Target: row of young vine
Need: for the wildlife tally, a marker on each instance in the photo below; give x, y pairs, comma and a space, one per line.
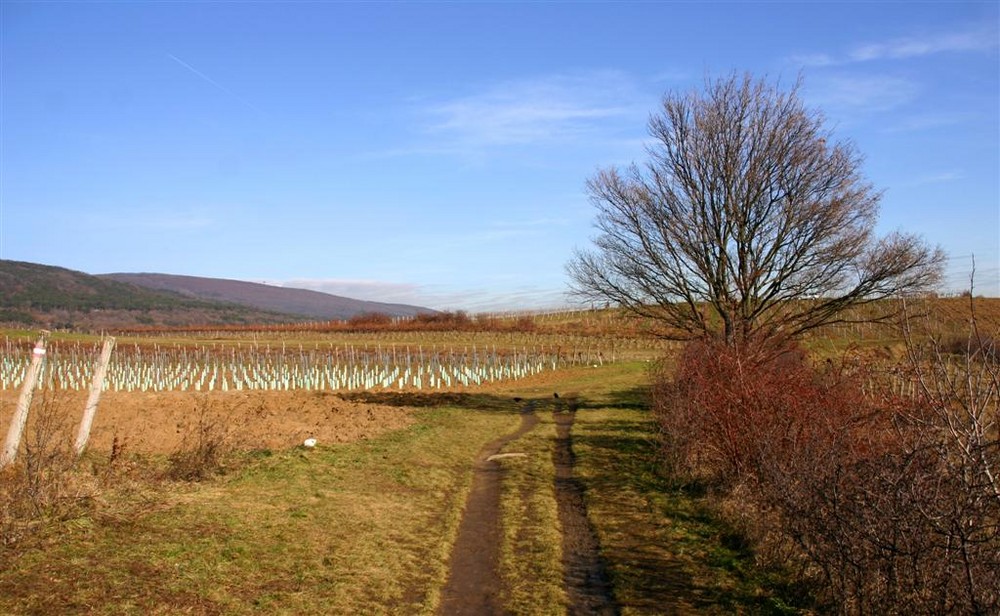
207, 368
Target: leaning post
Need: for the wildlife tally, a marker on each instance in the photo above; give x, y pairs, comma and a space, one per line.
100, 371
20, 418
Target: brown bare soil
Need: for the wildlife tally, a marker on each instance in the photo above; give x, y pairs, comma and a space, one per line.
158, 422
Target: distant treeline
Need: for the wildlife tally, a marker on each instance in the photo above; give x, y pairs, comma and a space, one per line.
372, 322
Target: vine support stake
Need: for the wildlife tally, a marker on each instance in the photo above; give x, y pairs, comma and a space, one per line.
20, 418
100, 370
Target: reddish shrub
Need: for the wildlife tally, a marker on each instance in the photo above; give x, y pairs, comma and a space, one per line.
889, 503
369, 321
728, 410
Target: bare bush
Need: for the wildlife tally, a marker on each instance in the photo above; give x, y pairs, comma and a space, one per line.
953, 426
207, 440
731, 409
41, 482
889, 503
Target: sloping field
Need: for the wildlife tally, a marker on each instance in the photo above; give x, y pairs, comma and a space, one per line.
368, 525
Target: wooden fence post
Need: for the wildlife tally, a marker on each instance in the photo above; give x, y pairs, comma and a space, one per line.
20, 418
100, 370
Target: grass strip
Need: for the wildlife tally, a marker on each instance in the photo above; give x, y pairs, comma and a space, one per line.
531, 549
666, 552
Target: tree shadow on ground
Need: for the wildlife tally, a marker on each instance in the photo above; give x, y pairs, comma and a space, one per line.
668, 549
471, 401
635, 398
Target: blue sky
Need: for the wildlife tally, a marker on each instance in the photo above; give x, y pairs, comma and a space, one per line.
436, 153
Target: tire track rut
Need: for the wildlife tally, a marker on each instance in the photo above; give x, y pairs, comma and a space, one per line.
473, 585
588, 586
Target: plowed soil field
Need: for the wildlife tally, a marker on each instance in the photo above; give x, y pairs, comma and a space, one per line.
159, 422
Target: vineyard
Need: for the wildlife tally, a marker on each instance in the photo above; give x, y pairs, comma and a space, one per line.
272, 364
394, 416
395, 355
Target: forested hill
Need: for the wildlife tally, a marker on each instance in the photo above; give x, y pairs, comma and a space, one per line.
312, 304
56, 297
41, 295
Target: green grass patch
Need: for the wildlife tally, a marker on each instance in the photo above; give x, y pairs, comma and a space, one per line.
357, 528
666, 551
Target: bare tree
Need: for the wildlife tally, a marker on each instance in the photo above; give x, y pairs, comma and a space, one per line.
747, 221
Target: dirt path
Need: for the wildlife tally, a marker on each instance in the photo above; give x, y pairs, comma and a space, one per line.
587, 584
473, 585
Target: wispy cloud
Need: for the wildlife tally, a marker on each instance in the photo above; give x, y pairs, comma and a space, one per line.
926, 121
977, 39
556, 109
506, 233
868, 93
369, 290
522, 298
510, 229
898, 49
531, 223
439, 297
935, 178
814, 59
671, 76
177, 223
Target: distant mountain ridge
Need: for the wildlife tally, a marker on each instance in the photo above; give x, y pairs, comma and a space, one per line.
34, 295
302, 302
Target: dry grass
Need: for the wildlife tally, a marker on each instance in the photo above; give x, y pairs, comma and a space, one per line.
363, 527
368, 527
42, 482
531, 552
207, 439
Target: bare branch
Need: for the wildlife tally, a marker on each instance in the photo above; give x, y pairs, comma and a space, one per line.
747, 208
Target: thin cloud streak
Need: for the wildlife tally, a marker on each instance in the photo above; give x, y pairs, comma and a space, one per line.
215, 83
927, 121
558, 109
952, 42
870, 93
437, 296
535, 222
510, 229
936, 178
368, 290
976, 40
146, 220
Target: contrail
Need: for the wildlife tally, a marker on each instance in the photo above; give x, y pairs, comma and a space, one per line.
213, 82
